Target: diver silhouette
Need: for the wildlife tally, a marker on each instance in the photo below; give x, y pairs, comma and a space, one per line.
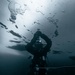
39, 52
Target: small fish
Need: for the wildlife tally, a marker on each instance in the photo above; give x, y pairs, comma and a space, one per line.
11, 20
39, 12
15, 34
16, 26
28, 30
24, 37
15, 41
24, 26
3, 26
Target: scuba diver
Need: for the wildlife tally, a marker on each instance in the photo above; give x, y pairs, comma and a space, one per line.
39, 52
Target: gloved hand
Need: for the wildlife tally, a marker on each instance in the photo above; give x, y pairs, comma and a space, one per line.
38, 33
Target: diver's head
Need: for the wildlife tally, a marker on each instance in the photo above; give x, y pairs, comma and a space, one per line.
38, 44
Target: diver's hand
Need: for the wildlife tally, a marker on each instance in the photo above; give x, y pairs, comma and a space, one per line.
38, 33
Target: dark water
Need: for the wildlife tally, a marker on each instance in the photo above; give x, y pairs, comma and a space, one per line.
13, 65
19, 65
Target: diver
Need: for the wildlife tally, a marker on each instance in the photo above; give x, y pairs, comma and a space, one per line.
39, 52
35, 47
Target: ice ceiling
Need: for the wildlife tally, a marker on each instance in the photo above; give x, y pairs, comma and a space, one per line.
20, 19
26, 16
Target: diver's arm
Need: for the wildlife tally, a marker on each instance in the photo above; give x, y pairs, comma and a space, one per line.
29, 47
48, 41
